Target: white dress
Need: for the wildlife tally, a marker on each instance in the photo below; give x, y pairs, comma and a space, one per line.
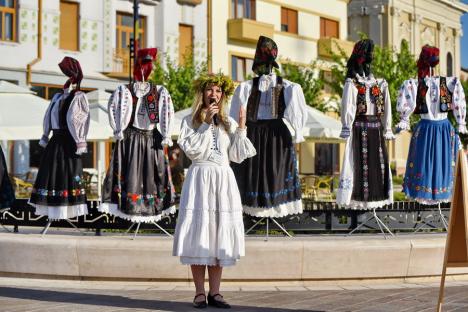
348, 115
210, 228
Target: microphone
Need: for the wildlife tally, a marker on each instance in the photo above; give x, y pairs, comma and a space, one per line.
215, 116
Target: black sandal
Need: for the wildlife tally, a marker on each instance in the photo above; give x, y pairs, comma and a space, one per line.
217, 303
199, 304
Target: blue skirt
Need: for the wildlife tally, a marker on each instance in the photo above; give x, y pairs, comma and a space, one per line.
431, 160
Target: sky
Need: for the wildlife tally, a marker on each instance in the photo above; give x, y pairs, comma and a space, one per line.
464, 39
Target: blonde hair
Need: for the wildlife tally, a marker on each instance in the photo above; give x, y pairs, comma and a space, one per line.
198, 110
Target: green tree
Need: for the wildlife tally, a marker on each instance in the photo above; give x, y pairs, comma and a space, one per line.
310, 78
395, 67
178, 79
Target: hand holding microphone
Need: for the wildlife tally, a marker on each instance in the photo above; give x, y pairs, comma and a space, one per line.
212, 112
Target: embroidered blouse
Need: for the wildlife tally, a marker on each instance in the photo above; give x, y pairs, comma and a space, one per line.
198, 144
78, 119
296, 108
349, 103
407, 101
121, 107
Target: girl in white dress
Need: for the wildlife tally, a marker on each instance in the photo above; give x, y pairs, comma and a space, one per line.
210, 229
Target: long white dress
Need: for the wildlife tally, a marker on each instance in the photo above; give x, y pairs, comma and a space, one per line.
210, 229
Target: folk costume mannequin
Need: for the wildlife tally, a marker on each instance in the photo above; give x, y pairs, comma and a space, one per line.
269, 182
366, 117
434, 143
210, 228
7, 193
138, 185
59, 191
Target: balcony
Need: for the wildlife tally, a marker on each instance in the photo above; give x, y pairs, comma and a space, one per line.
120, 63
190, 2
329, 46
247, 30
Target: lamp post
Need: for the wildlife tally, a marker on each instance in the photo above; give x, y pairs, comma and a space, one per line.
134, 41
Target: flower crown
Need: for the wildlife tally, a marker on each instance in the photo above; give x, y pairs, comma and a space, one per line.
224, 82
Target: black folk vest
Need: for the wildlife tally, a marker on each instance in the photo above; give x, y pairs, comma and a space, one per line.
277, 100
376, 96
64, 105
445, 104
150, 102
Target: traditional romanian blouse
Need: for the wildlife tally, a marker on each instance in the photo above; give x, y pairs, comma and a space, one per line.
295, 112
349, 103
78, 119
121, 108
407, 101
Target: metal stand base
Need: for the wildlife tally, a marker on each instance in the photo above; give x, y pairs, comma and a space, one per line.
138, 228
46, 228
382, 226
430, 223
1, 224
268, 227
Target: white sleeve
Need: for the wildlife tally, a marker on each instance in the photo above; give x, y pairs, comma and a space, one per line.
166, 116
296, 109
47, 127
348, 107
406, 103
458, 102
78, 119
120, 110
240, 98
240, 148
196, 143
387, 116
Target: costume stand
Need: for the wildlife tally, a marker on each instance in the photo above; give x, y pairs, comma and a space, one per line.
135, 233
382, 226
3, 210
430, 224
59, 190
268, 227
269, 182
49, 223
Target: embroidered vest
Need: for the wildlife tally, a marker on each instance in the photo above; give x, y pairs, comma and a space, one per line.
445, 103
375, 95
277, 100
150, 102
64, 105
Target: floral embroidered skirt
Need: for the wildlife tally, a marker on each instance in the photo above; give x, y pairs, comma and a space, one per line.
59, 190
365, 181
138, 185
7, 194
269, 182
431, 160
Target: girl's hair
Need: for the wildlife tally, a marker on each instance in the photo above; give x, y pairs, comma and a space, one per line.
200, 85
198, 112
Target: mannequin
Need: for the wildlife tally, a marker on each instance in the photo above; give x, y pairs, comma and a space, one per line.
59, 191
269, 182
138, 185
434, 143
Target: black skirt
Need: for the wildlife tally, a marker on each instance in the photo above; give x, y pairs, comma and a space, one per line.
270, 178
138, 182
371, 169
7, 194
59, 180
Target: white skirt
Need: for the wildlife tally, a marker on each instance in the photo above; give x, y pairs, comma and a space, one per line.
210, 228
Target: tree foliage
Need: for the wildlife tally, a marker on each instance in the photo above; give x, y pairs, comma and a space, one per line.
178, 79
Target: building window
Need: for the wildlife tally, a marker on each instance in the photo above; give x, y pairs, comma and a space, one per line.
241, 68
289, 20
69, 25
123, 33
329, 28
449, 65
47, 92
8, 20
327, 158
243, 9
185, 42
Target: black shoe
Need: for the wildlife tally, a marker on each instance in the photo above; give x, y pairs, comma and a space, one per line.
217, 303
199, 304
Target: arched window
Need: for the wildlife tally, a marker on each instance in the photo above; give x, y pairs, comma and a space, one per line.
449, 65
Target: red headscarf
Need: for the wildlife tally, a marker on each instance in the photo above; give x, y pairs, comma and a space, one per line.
71, 68
144, 63
428, 58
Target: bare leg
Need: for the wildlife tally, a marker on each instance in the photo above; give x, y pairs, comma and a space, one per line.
198, 273
214, 277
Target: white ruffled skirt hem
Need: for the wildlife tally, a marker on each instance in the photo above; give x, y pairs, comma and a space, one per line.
286, 209
209, 261
60, 212
113, 209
